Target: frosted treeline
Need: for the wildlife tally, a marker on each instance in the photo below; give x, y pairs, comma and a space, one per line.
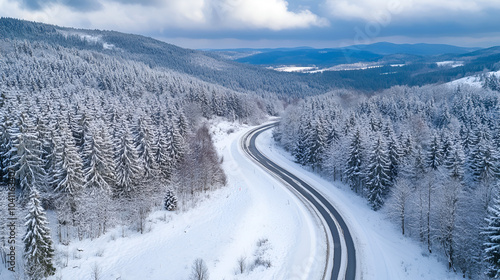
101, 138
427, 156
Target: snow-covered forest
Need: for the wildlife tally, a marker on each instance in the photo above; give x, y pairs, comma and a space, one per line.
99, 129
100, 141
428, 157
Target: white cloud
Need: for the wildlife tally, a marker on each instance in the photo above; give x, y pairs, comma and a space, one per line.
179, 14
371, 9
271, 14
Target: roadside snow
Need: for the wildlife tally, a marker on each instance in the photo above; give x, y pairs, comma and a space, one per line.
383, 253
253, 217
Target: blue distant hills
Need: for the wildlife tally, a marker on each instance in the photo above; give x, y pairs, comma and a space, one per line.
383, 52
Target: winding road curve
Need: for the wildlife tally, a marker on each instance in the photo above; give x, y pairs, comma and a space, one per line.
334, 221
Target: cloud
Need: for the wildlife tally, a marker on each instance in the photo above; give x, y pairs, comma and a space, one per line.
79, 5
407, 9
271, 14
270, 21
181, 14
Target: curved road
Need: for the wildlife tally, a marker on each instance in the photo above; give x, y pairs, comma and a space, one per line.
322, 205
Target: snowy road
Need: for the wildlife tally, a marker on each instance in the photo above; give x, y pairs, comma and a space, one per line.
343, 265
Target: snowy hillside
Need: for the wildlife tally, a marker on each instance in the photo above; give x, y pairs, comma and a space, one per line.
474, 81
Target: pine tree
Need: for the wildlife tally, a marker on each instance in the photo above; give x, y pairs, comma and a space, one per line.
318, 143
28, 160
162, 155
8, 139
68, 178
394, 153
176, 144
354, 170
407, 148
38, 250
492, 233
127, 168
455, 162
485, 162
99, 166
434, 156
302, 149
144, 139
170, 201
377, 177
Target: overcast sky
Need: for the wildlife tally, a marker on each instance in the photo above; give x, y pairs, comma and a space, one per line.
276, 23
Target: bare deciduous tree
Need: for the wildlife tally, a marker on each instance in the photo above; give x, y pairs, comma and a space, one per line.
398, 204
199, 270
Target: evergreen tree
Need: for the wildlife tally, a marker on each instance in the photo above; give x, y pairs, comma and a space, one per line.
8, 139
128, 168
354, 170
492, 233
302, 148
317, 143
28, 159
38, 249
144, 139
394, 153
99, 164
485, 162
170, 201
419, 166
455, 162
176, 146
377, 177
407, 148
68, 177
162, 155
434, 157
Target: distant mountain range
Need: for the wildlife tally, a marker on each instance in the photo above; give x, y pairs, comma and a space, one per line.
306, 56
202, 65
371, 67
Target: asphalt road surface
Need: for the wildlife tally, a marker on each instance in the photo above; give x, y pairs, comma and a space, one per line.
322, 205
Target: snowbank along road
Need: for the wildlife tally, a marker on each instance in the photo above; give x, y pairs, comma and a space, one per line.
343, 265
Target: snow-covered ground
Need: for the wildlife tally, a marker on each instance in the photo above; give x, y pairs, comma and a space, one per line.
253, 217
473, 81
450, 63
382, 251
253, 208
292, 68
341, 67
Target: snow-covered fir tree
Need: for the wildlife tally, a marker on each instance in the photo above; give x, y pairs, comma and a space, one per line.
170, 200
162, 156
434, 157
492, 233
38, 248
28, 158
394, 153
354, 169
68, 174
144, 139
99, 166
377, 175
485, 163
455, 162
127, 165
